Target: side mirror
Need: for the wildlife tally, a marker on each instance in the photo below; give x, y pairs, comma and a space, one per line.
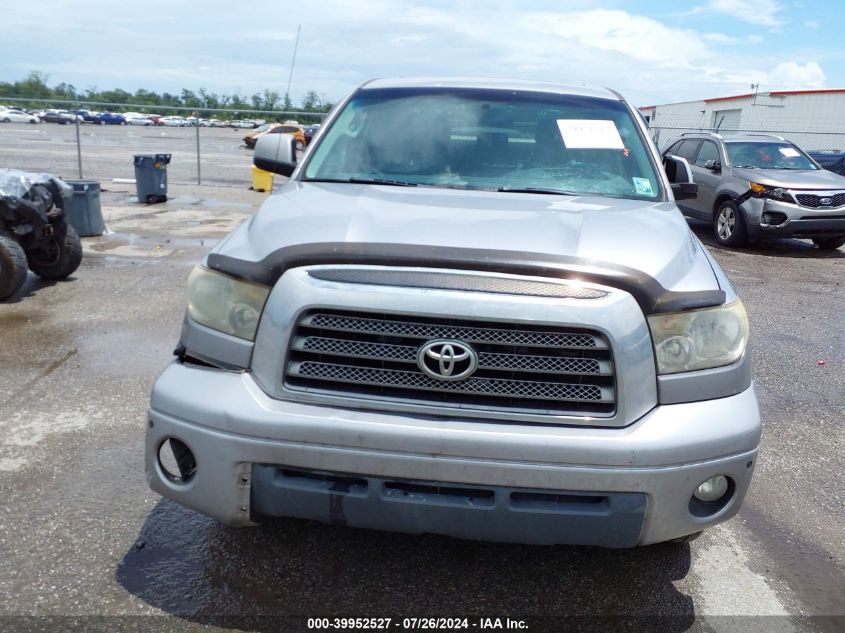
275, 153
680, 177
713, 165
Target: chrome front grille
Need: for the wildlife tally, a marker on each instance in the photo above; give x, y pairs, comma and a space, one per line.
814, 201
522, 367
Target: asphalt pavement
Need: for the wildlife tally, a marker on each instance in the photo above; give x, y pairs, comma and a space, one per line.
85, 545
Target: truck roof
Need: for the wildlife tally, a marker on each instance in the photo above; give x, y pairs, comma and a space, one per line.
495, 84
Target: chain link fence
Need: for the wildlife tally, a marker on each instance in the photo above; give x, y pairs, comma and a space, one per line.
199, 154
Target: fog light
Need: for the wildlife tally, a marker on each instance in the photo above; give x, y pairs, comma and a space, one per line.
712, 489
176, 460
774, 218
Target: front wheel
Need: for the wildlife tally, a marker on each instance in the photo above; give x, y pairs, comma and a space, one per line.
829, 243
729, 225
12, 267
57, 258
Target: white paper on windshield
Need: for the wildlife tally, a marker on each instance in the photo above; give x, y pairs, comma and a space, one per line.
589, 134
789, 152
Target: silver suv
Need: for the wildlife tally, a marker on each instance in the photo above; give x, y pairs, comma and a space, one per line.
474, 310
756, 186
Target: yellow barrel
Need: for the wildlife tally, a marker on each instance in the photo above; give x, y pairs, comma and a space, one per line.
261, 180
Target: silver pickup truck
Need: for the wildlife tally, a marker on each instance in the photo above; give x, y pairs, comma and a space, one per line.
474, 309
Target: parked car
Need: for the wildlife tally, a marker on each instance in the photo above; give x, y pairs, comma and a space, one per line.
110, 118
88, 116
755, 186
174, 121
309, 131
155, 118
832, 160
475, 310
277, 128
140, 120
58, 116
17, 116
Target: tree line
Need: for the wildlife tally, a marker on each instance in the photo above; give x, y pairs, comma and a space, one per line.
35, 87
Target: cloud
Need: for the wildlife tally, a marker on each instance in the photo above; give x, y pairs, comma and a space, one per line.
343, 44
794, 75
759, 12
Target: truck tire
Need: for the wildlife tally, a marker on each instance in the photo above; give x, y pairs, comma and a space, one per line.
12, 267
828, 243
58, 258
729, 225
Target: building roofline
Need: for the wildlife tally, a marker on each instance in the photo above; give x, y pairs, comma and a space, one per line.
747, 95
784, 93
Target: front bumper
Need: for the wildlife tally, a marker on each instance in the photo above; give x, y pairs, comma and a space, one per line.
538, 484
798, 221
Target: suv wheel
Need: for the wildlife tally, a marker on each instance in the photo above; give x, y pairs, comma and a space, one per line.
729, 225
829, 243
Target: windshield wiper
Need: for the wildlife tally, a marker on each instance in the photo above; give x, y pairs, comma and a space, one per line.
560, 192
366, 181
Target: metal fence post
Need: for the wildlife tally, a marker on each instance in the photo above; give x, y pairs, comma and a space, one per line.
78, 146
199, 168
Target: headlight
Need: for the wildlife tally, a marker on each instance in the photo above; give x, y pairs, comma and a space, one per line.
699, 339
765, 191
225, 303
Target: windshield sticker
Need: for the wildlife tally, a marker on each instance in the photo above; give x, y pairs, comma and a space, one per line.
789, 152
589, 134
643, 186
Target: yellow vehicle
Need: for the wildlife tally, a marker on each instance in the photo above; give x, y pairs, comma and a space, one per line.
277, 128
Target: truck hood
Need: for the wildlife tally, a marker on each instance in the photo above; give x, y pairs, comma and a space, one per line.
652, 238
819, 179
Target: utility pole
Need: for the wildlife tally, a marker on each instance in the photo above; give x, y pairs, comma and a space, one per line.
292, 62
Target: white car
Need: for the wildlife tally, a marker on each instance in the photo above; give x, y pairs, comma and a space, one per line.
16, 116
174, 121
140, 120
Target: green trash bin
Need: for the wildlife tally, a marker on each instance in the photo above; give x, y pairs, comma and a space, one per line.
84, 212
151, 177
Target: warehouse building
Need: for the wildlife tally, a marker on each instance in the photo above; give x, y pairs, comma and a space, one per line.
812, 119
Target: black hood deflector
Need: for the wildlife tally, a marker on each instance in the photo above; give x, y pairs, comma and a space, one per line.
652, 297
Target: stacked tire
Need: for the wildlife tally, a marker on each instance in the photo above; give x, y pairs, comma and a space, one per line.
54, 260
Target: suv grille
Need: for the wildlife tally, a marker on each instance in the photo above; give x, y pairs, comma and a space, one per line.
814, 201
521, 367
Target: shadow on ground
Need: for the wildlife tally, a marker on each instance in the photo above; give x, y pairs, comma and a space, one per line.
197, 569
786, 247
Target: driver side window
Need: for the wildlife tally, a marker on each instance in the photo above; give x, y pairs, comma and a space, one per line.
708, 151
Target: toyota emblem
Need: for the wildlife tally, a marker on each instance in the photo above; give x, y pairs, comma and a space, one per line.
447, 360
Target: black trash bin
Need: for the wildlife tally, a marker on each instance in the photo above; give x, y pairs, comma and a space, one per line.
84, 212
151, 177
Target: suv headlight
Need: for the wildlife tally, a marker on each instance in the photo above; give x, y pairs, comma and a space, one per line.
765, 191
225, 303
699, 339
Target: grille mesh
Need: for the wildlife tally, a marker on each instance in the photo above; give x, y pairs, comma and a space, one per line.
429, 330
418, 380
814, 201
523, 368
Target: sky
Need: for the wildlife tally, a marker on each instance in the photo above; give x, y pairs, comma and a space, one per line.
652, 52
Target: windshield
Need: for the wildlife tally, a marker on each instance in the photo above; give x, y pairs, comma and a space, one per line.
262, 128
487, 139
775, 155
